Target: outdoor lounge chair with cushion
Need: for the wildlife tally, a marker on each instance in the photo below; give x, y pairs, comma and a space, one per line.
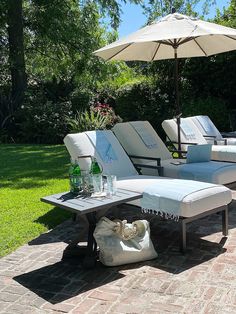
103, 145
210, 132
140, 139
190, 134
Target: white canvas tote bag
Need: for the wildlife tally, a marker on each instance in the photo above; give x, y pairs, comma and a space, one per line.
123, 243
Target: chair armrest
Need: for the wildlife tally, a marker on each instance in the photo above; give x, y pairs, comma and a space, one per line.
219, 142
216, 142
158, 166
210, 136
184, 143
158, 160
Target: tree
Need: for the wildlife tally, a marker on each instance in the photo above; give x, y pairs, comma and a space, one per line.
157, 8
16, 50
51, 42
215, 76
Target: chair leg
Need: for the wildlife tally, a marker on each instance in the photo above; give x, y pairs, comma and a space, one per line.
182, 236
225, 221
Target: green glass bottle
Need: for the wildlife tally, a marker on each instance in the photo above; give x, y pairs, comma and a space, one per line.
71, 169
96, 176
75, 177
95, 169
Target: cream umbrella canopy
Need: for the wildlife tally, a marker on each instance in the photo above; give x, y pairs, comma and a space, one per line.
173, 36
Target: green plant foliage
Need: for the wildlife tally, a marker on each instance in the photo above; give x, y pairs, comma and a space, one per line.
212, 77
64, 77
87, 120
143, 101
157, 8
107, 111
228, 16
213, 107
46, 120
65, 34
82, 98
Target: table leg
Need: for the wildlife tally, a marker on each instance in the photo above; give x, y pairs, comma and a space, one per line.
89, 252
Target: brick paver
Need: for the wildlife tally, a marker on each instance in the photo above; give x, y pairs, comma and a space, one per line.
34, 279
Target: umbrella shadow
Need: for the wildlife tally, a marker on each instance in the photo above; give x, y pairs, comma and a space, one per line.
198, 251
65, 232
66, 279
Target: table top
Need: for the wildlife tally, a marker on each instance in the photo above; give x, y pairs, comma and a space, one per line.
86, 204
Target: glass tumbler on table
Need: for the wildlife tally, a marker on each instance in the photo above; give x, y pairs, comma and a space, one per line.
111, 184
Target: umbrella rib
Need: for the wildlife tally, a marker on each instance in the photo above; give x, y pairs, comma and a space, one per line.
119, 51
230, 37
164, 42
158, 46
200, 47
185, 40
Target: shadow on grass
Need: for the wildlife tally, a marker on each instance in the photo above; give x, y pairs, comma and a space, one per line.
54, 217
18, 184
27, 166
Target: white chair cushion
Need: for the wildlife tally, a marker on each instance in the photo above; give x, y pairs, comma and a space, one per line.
224, 153
133, 144
170, 127
231, 141
171, 169
79, 144
193, 204
219, 152
213, 131
206, 127
200, 201
222, 175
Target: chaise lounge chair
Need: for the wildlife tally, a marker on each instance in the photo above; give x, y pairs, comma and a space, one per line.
210, 132
140, 139
203, 200
190, 134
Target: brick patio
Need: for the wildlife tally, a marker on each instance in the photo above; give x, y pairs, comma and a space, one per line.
34, 279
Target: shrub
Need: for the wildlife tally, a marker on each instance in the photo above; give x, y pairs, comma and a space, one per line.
143, 101
97, 117
87, 120
107, 111
215, 108
81, 99
41, 120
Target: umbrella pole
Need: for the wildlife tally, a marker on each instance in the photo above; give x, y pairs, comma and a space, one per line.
177, 101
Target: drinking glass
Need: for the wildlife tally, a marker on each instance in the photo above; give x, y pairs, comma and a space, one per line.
86, 181
111, 184
97, 183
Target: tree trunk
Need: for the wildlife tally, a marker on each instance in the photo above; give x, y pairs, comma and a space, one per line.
16, 52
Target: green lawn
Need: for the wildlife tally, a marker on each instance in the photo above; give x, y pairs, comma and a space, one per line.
28, 172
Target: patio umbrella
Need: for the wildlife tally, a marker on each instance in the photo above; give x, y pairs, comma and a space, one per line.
173, 36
